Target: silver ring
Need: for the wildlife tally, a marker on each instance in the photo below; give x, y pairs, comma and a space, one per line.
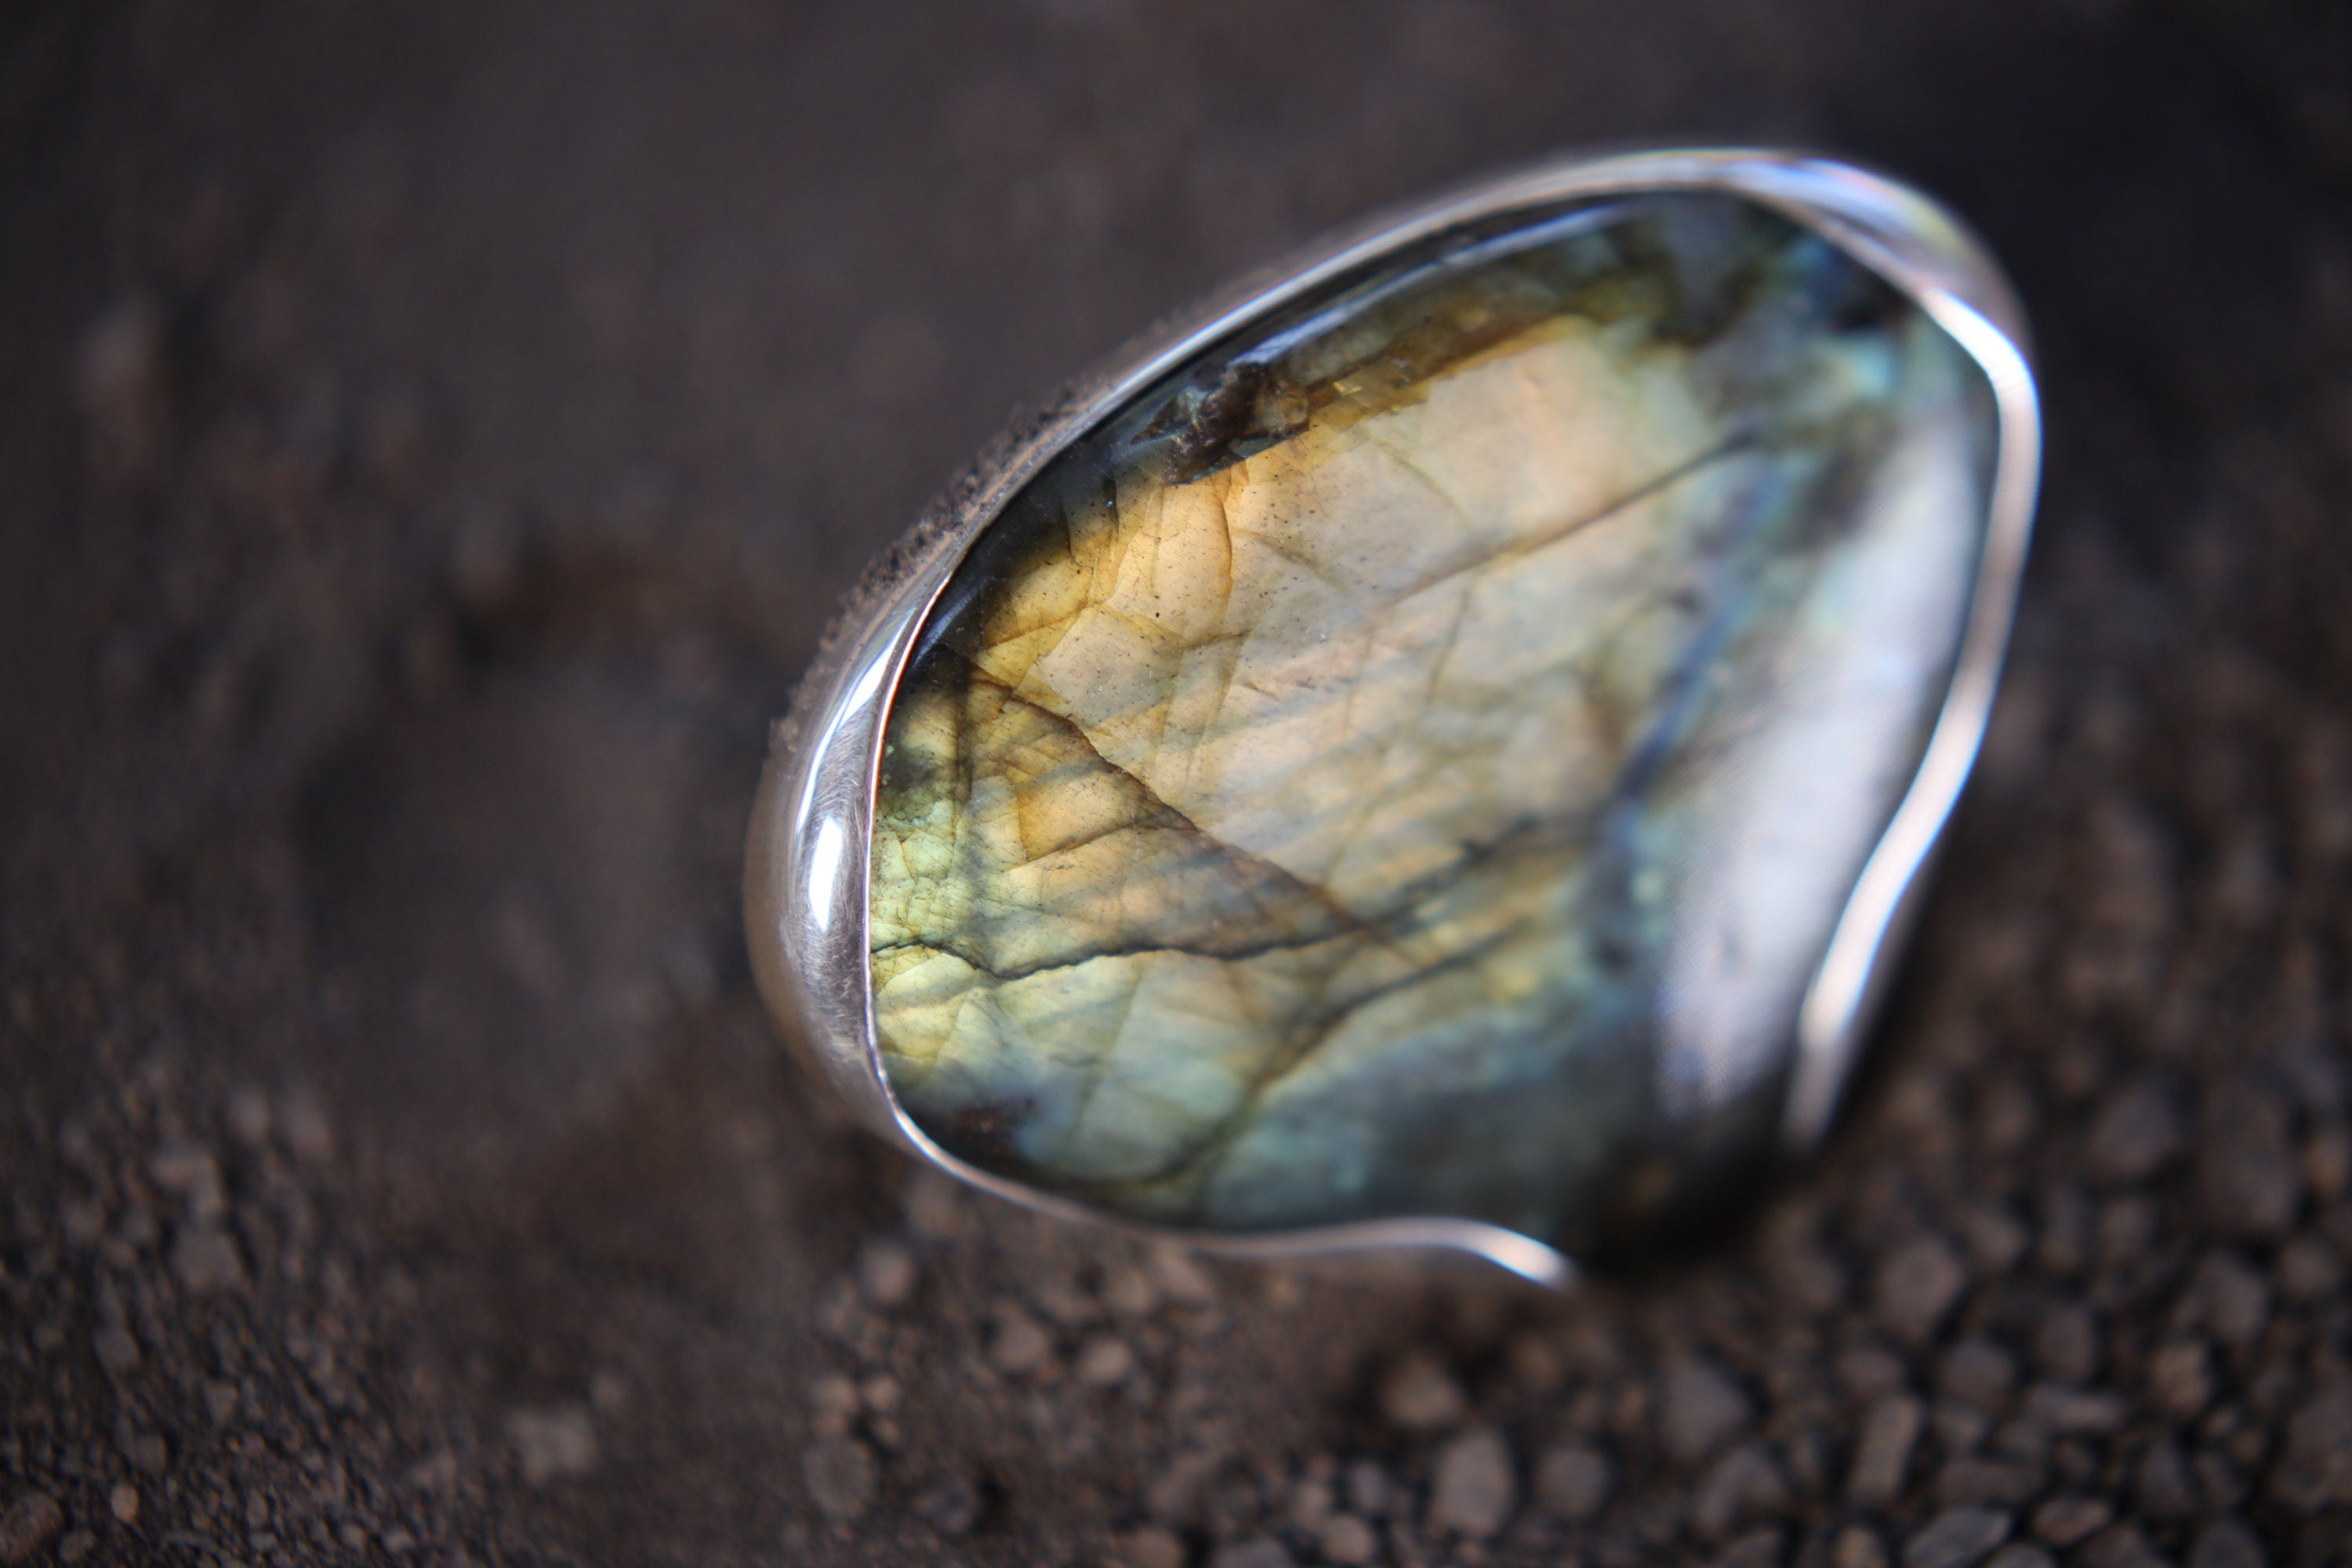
1719, 464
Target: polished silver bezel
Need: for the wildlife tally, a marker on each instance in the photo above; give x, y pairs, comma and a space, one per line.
805, 883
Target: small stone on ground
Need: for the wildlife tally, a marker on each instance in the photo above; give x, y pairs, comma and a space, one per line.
1472, 1491
552, 1443
1573, 1481
842, 1477
32, 1522
1956, 1539
1699, 1407
1420, 1394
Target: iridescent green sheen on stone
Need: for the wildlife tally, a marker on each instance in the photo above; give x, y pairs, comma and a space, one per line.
1415, 754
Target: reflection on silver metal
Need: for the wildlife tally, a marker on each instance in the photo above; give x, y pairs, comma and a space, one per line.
807, 879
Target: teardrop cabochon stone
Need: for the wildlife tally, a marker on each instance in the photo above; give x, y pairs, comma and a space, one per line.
1408, 760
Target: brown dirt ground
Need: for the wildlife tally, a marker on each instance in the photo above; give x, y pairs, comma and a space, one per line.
432, 435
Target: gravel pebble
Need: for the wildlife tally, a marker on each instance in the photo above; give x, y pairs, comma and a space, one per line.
2121, 1546
887, 1273
1763, 1548
247, 1111
1420, 1394
2327, 1163
952, 1506
1151, 1547
1698, 1407
205, 1260
1472, 1491
2228, 1543
1259, 1552
1019, 1345
1129, 1291
1743, 1484
116, 1350
1534, 1364
1349, 1541
1174, 1494
2309, 1269
2064, 1521
2180, 1377
1180, 1278
833, 1403
1870, 1373
2128, 1227
188, 1171
842, 1477
2065, 1242
2165, 1487
935, 1206
1956, 1539
1995, 1238
1857, 1546
1105, 1362
2316, 1472
1882, 1456
2246, 1174
2067, 1345
2065, 1411
303, 1127
1958, 1426
1979, 1372
32, 1522
552, 1443
1369, 1489
1573, 1481
2138, 1133
1970, 1479
2021, 1554
1916, 1287
2225, 1297
2219, 1479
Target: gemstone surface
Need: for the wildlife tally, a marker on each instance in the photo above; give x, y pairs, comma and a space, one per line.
1410, 760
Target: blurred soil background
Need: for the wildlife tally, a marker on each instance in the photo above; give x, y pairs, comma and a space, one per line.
432, 436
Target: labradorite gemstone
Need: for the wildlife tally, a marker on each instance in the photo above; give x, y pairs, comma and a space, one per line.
1410, 760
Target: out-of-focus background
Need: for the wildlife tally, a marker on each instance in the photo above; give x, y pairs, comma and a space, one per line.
432, 436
